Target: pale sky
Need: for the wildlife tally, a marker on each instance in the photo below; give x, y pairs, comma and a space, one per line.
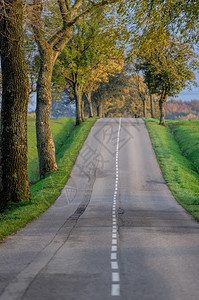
187, 95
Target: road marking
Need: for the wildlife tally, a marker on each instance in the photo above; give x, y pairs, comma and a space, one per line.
115, 290
114, 241
113, 256
114, 265
114, 248
115, 277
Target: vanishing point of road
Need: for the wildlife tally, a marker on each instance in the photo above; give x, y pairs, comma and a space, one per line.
115, 232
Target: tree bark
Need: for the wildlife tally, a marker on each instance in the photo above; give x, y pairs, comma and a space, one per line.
144, 107
162, 103
78, 100
100, 110
82, 111
45, 143
151, 103
15, 97
54, 46
90, 104
48, 51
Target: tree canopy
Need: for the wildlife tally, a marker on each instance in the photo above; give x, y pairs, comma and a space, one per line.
167, 68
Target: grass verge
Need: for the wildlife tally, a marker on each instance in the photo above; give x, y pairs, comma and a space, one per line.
179, 172
60, 128
46, 191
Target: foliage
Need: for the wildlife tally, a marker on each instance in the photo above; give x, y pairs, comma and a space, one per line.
179, 172
121, 96
90, 56
168, 67
158, 16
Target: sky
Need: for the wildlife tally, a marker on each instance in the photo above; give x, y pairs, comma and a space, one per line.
187, 95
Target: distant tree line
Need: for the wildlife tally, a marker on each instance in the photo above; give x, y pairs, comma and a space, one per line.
182, 110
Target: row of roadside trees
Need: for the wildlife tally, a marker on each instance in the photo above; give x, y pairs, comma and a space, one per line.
74, 44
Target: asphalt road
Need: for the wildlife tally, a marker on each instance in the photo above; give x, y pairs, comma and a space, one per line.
115, 232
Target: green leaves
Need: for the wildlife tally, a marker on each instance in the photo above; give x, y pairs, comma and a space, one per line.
91, 55
168, 66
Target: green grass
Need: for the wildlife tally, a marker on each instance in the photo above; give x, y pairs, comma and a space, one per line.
60, 130
177, 151
186, 133
46, 191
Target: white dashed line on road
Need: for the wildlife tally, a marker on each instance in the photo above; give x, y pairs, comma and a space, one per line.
115, 288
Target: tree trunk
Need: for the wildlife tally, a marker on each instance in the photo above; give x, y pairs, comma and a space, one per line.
15, 96
82, 111
90, 104
48, 51
100, 110
55, 44
78, 100
45, 144
162, 103
144, 107
151, 102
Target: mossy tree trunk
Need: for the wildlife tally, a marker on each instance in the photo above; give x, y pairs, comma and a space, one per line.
49, 49
90, 104
100, 110
144, 107
78, 100
162, 103
152, 106
15, 96
82, 111
45, 143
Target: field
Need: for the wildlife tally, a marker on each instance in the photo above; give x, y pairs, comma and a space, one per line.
68, 142
177, 150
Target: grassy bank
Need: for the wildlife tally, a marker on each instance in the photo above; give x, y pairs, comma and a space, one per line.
69, 141
60, 128
186, 133
177, 150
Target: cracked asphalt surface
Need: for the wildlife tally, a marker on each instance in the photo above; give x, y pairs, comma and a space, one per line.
66, 252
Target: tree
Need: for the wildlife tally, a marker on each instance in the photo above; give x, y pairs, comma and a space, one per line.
15, 96
160, 16
91, 56
120, 94
152, 105
167, 69
51, 35
142, 91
